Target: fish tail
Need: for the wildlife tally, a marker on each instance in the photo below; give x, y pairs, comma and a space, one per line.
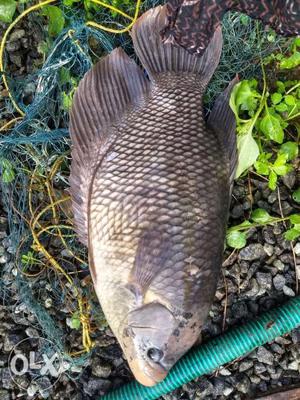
158, 57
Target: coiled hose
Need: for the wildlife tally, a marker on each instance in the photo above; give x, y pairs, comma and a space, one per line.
235, 343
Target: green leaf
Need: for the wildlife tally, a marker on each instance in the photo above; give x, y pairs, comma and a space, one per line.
290, 62
67, 100
262, 168
248, 152
295, 219
296, 195
280, 86
75, 321
290, 100
69, 3
7, 10
291, 234
244, 97
271, 127
56, 19
236, 239
260, 216
272, 180
290, 149
8, 174
276, 98
281, 107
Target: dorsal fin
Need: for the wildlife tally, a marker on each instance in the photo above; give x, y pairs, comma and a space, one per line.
158, 57
113, 86
222, 121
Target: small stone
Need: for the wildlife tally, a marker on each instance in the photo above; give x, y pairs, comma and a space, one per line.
224, 372
4, 258
288, 291
205, 387
279, 282
4, 395
254, 288
259, 368
272, 197
32, 389
277, 349
16, 35
31, 332
279, 265
264, 280
269, 249
15, 59
282, 341
243, 383
252, 252
297, 249
255, 379
96, 386
48, 303
245, 365
13, 46
289, 179
264, 356
227, 391
237, 211
100, 368
294, 365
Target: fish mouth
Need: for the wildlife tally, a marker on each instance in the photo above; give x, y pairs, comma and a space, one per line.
147, 374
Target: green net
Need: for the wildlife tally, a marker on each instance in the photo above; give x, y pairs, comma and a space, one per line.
51, 270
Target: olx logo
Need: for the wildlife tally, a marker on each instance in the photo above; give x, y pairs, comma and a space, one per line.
35, 358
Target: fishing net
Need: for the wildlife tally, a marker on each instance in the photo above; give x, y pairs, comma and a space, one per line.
50, 272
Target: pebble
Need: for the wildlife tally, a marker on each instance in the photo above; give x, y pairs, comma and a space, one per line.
279, 265
16, 35
279, 281
289, 179
228, 390
243, 383
100, 368
264, 356
245, 365
297, 249
97, 387
252, 252
288, 291
264, 280
269, 249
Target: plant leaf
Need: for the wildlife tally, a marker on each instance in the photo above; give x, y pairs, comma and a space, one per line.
295, 219
290, 149
7, 10
248, 152
56, 19
272, 180
296, 195
281, 107
291, 234
236, 239
271, 127
276, 98
290, 62
260, 215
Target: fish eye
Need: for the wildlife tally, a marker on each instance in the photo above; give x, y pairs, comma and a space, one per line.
155, 354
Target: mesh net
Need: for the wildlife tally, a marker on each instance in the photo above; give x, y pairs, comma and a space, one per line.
50, 269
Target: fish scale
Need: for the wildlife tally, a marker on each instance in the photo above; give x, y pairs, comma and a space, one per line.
150, 185
167, 173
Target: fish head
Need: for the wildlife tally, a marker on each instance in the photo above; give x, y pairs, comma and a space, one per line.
153, 339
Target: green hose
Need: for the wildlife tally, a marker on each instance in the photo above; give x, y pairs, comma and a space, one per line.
233, 344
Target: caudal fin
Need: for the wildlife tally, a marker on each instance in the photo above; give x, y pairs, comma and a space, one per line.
158, 57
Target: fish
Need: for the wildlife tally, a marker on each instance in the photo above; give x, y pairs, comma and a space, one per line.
150, 184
